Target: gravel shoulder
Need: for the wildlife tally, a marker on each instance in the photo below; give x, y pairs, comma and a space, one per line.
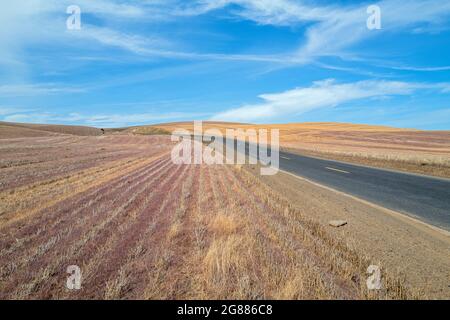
415, 251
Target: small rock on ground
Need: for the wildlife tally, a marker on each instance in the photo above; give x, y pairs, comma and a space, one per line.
337, 223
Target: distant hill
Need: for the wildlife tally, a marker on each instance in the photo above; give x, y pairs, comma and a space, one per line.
420, 151
411, 150
17, 130
286, 128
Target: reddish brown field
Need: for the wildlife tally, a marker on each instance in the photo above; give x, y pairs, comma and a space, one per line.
141, 227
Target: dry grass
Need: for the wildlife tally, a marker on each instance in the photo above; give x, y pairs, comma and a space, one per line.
224, 224
148, 131
152, 229
11, 132
419, 151
426, 152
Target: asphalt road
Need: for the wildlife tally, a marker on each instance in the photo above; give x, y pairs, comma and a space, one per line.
422, 197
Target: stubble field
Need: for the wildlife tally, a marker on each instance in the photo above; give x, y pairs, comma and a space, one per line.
141, 227
419, 151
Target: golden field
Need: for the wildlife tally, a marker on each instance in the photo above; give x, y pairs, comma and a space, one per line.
141, 227
419, 151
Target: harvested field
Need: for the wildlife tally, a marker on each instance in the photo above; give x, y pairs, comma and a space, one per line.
139, 226
425, 152
10, 132
25, 161
45, 129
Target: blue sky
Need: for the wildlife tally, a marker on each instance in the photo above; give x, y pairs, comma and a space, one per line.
262, 61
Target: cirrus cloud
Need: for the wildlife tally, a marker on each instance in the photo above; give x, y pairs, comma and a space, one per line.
321, 94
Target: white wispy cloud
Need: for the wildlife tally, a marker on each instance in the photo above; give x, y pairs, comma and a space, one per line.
130, 42
114, 120
109, 8
8, 110
20, 90
274, 12
421, 69
28, 23
332, 29
97, 120
321, 94
342, 27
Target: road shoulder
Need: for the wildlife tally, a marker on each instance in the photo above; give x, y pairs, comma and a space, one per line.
418, 252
